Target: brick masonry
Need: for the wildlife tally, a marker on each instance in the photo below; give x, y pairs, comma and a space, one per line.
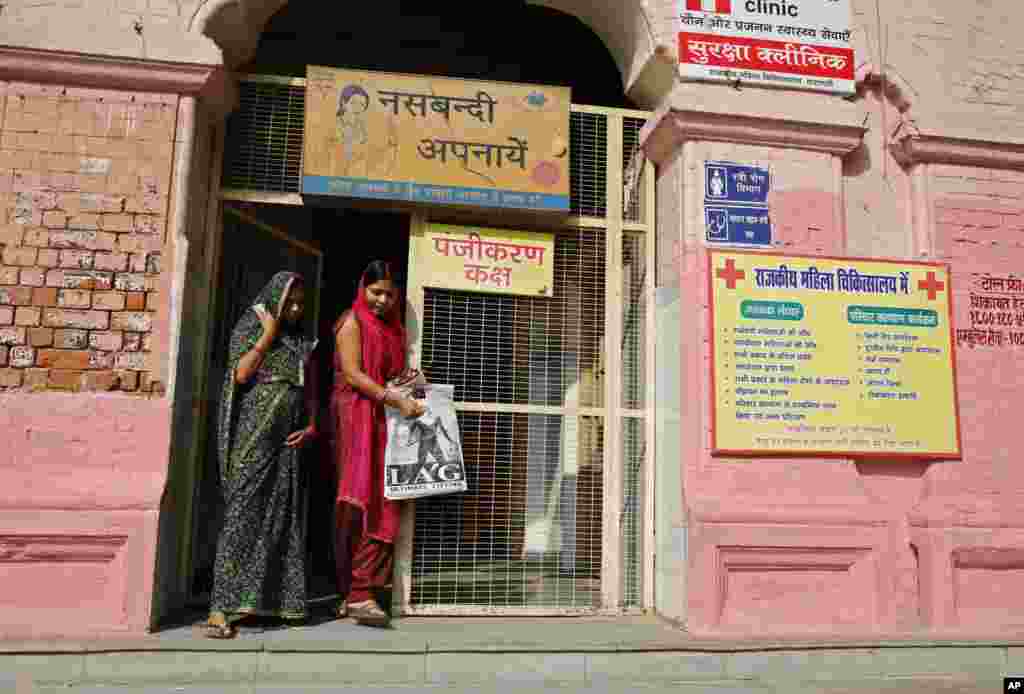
84, 183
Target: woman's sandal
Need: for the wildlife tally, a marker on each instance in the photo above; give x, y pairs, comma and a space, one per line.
369, 614
294, 622
220, 631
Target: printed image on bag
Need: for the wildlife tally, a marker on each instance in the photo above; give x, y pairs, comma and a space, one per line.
424, 455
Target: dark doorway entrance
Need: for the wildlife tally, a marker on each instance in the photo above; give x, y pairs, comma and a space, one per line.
260, 240
350, 239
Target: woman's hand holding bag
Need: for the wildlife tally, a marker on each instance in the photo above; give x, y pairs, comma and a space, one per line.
401, 390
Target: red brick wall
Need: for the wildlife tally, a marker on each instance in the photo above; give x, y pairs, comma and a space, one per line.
84, 182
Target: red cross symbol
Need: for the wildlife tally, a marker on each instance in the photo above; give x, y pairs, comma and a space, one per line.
730, 274
931, 285
721, 6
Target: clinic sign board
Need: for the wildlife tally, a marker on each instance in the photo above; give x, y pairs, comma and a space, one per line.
831, 357
793, 44
435, 140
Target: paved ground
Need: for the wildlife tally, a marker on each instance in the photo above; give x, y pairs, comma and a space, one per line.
497, 655
725, 687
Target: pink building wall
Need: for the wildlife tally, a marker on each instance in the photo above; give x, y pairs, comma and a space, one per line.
83, 476
773, 547
85, 178
89, 252
873, 548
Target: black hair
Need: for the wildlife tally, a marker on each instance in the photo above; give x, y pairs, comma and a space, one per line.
378, 270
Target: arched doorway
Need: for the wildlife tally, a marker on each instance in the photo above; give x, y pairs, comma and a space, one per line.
504, 41
558, 508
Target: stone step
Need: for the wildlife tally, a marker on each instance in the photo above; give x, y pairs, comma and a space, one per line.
498, 655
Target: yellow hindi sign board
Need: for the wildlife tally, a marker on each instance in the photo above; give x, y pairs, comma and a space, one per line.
436, 140
480, 259
832, 357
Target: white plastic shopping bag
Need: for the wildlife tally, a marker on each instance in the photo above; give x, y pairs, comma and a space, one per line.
424, 455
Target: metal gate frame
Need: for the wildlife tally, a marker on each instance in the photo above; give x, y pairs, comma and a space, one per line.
615, 225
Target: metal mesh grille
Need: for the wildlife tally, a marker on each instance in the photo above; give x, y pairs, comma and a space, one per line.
634, 323
634, 170
588, 135
633, 453
263, 142
524, 350
528, 531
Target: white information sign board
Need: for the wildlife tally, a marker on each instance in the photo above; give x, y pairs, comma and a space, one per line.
794, 44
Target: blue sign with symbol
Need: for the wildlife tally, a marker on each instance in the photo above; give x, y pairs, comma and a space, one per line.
736, 204
746, 225
717, 220
736, 183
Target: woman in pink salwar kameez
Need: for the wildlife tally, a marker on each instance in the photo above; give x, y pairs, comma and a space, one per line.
370, 352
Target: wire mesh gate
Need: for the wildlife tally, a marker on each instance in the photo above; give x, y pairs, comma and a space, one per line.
555, 406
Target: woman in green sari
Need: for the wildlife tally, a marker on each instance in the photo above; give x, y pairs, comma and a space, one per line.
267, 415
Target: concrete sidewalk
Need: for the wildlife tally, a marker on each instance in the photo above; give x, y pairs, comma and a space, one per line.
502, 654
917, 686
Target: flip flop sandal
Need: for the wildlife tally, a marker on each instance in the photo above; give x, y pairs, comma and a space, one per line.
220, 631
285, 624
369, 614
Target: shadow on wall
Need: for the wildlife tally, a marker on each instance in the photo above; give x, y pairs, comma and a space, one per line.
857, 163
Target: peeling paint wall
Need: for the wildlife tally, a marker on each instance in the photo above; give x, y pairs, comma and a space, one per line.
84, 196
84, 183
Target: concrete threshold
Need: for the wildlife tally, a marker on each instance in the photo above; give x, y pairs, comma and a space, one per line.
606, 652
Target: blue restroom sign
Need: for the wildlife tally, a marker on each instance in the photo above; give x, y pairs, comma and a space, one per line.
736, 203
736, 183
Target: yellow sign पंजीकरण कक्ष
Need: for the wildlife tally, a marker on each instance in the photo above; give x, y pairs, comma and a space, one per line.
482, 259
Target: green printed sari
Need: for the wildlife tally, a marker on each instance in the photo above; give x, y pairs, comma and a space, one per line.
260, 566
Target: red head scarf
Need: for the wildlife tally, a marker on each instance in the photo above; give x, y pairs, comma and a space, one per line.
382, 337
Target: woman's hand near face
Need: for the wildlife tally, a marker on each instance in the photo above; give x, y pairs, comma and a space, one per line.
270, 323
251, 360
